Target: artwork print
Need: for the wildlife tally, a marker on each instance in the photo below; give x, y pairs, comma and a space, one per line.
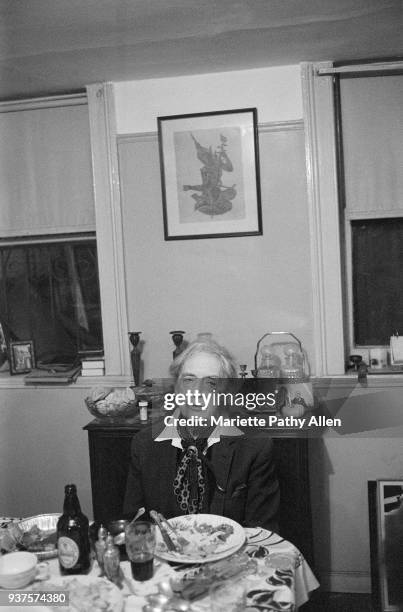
216, 188
210, 175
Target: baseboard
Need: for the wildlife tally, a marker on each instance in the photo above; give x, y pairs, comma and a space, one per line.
345, 582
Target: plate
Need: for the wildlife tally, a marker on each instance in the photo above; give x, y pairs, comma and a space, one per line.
201, 530
85, 593
46, 523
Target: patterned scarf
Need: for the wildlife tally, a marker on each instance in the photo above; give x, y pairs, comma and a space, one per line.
191, 484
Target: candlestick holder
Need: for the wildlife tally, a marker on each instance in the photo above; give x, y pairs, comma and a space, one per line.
243, 373
135, 356
177, 339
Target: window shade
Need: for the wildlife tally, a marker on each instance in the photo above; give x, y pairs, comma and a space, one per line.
45, 171
372, 124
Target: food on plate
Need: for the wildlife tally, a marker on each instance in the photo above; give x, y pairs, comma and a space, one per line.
37, 539
92, 596
9, 536
196, 582
201, 539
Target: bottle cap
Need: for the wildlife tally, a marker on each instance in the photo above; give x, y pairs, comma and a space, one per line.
143, 403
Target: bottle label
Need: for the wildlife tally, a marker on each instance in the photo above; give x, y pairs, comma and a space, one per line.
68, 552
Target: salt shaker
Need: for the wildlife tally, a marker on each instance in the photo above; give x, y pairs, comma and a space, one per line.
100, 546
111, 560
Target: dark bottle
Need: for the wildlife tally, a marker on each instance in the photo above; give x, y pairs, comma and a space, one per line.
73, 542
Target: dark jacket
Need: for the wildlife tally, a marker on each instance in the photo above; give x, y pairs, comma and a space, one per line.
246, 490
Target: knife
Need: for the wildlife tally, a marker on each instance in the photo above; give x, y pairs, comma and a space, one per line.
165, 536
181, 541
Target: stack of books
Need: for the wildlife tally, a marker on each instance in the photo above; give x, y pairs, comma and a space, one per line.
92, 363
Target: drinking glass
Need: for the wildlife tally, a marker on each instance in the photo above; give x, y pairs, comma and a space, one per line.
228, 597
140, 546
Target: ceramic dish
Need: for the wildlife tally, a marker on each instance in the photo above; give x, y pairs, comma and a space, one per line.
206, 534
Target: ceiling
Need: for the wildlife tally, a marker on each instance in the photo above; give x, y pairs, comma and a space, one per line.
55, 46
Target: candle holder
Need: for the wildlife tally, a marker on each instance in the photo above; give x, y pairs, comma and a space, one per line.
356, 361
177, 339
135, 358
243, 373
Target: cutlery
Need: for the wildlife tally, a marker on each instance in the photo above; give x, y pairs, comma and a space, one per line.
165, 536
119, 539
180, 539
139, 513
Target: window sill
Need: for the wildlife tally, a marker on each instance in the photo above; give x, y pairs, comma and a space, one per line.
373, 381
17, 382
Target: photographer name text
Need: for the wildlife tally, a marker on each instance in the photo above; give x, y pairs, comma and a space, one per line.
251, 421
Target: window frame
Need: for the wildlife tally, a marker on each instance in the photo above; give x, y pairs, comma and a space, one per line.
108, 229
331, 270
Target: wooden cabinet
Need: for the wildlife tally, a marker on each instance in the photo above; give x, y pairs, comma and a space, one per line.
109, 447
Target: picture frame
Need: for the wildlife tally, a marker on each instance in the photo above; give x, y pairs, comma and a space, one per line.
210, 174
21, 357
3, 349
385, 500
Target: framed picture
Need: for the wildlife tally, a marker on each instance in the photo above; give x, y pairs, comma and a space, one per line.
22, 357
210, 174
386, 543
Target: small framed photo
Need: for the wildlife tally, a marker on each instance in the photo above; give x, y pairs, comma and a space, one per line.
22, 357
210, 174
3, 349
386, 543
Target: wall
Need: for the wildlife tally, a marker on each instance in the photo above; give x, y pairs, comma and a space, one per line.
368, 446
42, 448
236, 288
275, 92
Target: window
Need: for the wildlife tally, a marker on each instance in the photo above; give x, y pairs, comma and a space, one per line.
369, 112
49, 287
49, 293
377, 280
353, 120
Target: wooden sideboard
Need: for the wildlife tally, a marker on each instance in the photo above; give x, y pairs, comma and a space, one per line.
109, 448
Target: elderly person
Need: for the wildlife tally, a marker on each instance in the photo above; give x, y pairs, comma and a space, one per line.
203, 468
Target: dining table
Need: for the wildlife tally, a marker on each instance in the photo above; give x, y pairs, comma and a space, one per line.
280, 579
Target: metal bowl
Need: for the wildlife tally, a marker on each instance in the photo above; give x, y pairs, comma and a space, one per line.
45, 522
117, 529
